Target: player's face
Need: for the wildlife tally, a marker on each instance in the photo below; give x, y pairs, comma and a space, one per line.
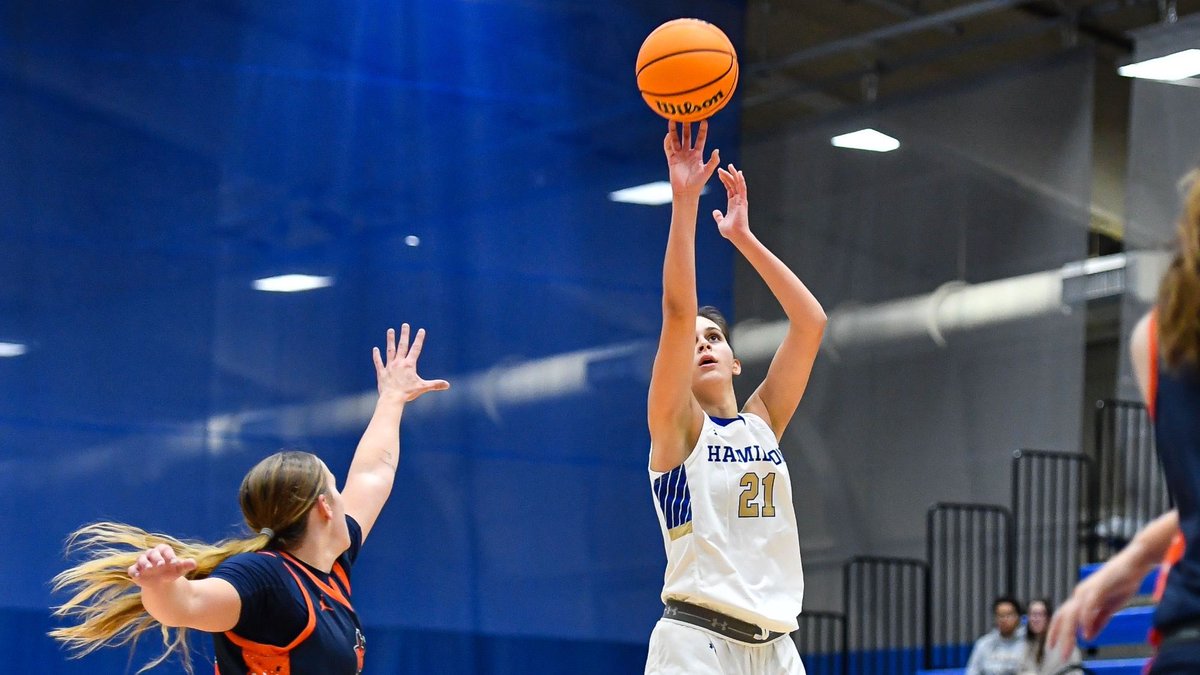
713, 358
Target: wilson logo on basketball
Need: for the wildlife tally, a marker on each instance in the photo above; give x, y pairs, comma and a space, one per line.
687, 107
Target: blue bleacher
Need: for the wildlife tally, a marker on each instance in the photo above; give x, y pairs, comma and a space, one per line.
1127, 627
1105, 667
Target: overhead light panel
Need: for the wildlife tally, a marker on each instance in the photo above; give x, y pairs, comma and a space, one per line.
866, 139
292, 283
1169, 68
9, 349
650, 194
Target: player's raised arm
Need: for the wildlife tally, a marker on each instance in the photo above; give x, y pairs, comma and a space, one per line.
672, 412
776, 398
373, 468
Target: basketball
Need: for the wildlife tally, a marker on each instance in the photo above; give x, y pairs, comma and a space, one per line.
687, 70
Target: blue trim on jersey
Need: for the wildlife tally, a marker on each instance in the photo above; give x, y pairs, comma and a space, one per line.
673, 495
724, 421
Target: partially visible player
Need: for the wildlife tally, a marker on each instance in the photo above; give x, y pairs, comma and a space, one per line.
1166, 356
277, 601
734, 584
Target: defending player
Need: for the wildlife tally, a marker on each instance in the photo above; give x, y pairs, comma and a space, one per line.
277, 601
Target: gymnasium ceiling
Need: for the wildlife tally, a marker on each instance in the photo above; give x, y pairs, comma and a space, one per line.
816, 57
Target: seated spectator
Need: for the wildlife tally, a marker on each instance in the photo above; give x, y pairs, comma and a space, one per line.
1038, 659
1001, 651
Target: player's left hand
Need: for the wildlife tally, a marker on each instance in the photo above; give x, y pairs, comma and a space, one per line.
735, 222
398, 379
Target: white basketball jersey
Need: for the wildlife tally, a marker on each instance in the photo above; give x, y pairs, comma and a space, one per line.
729, 526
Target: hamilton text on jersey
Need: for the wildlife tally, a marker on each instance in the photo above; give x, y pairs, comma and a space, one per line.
752, 453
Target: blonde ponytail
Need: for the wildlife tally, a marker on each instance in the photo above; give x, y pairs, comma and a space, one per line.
106, 606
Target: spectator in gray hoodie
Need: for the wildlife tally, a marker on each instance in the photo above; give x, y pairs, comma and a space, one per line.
1001, 651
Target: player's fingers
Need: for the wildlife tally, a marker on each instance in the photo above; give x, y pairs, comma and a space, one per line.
671, 141
414, 352
437, 385
402, 343
702, 136
378, 361
718, 216
167, 553
1062, 629
712, 161
687, 136
727, 181
390, 344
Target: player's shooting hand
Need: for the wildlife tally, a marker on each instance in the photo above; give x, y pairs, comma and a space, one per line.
685, 161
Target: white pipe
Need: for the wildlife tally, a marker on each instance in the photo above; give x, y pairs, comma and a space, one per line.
954, 307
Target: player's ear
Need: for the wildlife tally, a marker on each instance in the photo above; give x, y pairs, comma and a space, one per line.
737, 367
324, 507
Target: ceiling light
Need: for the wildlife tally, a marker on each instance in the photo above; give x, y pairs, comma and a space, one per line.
12, 349
1169, 68
292, 283
412, 240
866, 139
650, 194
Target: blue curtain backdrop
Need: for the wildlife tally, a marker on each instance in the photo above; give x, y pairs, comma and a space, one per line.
447, 163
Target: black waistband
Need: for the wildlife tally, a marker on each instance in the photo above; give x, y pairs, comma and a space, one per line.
723, 625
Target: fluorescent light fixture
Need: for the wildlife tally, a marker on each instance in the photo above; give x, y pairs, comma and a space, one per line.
12, 349
650, 194
866, 139
1169, 68
412, 240
292, 283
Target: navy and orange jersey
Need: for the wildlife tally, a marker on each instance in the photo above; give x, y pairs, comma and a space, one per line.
1175, 549
1174, 399
295, 620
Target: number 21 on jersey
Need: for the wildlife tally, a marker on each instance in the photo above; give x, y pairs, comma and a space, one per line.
752, 484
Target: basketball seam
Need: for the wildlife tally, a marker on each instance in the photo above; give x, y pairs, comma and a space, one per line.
686, 51
732, 64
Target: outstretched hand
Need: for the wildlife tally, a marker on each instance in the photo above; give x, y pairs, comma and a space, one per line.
685, 161
735, 221
159, 565
1093, 603
398, 379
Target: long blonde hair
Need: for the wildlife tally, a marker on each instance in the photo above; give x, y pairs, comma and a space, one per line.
1179, 295
106, 606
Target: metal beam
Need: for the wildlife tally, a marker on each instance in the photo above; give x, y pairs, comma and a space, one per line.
1080, 21
917, 60
863, 40
908, 12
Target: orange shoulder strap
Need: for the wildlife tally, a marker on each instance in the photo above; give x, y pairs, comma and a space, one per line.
331, 589
271, 658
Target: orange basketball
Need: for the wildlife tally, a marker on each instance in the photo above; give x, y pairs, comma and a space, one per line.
687, 70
